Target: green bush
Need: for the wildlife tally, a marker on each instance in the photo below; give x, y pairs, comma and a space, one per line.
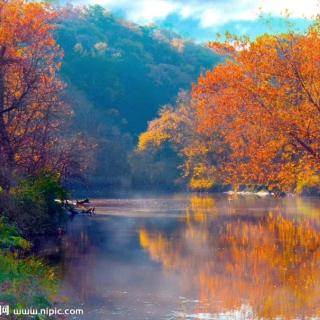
31, 205
24, 282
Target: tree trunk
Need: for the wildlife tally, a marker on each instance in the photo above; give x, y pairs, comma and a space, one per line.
5, 143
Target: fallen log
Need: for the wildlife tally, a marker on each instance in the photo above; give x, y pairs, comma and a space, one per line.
73, 208
82, 202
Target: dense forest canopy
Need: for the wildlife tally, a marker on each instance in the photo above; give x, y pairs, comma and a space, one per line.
121, 66
118, 75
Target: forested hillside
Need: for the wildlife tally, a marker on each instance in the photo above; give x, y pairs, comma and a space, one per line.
119, 65
118, 75
251, 122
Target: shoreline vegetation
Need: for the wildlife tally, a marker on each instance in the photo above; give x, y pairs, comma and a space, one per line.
251, 120
28, 211
24, 280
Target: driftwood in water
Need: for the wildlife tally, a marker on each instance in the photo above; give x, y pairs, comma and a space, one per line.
83, 206
82, 202
74, 208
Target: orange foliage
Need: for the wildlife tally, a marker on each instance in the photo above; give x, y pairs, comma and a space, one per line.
265, 106
222, 48
31, 111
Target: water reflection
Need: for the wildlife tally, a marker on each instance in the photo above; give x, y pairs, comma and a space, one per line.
192, 257
269, 263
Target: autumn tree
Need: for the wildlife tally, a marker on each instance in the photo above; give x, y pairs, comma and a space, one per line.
254, 118
31, 110
264, 103
178, 127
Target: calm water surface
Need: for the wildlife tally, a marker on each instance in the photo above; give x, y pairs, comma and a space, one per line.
193, 257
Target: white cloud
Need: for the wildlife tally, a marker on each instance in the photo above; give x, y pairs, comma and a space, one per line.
298, 8
226, 12
149, 10
142, 11
210, 12
186, 11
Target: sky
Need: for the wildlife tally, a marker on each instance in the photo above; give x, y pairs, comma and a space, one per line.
202, 19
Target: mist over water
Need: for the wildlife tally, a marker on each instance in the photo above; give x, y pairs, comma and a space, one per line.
193, 257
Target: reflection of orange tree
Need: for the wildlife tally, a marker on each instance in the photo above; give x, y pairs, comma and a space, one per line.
270, 263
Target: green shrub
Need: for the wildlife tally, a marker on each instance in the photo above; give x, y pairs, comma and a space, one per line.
24, 282
31, 204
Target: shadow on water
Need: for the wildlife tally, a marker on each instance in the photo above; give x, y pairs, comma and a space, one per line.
193, 257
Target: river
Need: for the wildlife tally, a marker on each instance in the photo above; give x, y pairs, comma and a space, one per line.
192, 257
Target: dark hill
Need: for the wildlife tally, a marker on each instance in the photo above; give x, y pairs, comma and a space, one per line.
119, 65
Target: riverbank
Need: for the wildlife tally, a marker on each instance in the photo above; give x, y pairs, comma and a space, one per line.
27, 211
25, 281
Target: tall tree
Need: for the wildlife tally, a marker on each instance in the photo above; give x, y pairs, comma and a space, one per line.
178, 127
31, 111
264, 103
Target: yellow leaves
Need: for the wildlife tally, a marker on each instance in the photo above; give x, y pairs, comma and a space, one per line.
311, 182
201, 183
155, 139
159, 131
202, 176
